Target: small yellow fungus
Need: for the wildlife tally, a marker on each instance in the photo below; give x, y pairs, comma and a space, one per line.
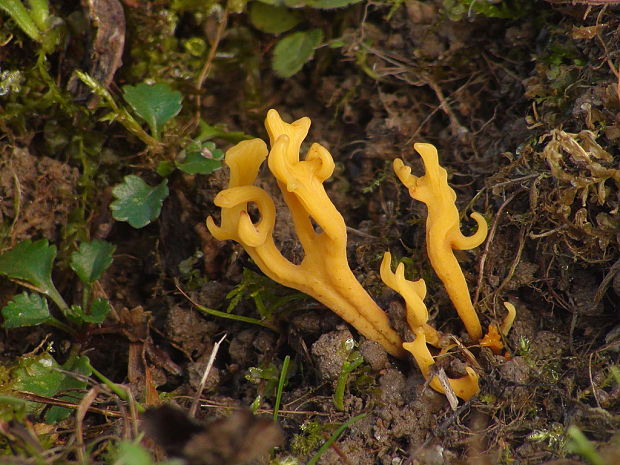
493, 338
465, 387
508, 319
324, 272
413, 292
443, 233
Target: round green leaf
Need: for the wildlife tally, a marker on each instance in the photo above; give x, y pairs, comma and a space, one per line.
294, 50
136, 202
273, 19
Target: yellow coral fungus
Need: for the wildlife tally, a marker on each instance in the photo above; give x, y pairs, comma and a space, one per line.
413, 292
324, 272
443, 233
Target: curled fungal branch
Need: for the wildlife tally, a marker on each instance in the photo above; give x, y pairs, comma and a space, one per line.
443, 233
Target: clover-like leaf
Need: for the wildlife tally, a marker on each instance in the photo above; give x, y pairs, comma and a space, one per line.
154, 103
25, 309
136, 202
91, 260
31, 262
293, 51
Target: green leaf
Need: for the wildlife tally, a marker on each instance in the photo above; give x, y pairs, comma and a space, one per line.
25, 309
31, 262
219, 131
273, 19
293, 51
22, 17
79, 365
98, 311
165, 168
196, 163
205, 161
42, 375
38, 374
136, 202
155, 104
129, 453
12, 408
91, 260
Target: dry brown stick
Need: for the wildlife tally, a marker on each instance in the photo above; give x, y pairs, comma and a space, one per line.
209, 61
82, 409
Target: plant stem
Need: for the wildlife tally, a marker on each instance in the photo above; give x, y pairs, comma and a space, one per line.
115, 388
347, 368
281, 383
333, 438
56, 323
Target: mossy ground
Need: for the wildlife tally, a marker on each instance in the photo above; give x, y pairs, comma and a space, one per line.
521, 98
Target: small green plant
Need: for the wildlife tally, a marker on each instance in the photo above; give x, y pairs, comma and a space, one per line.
30, 264
157, 104
42, 375
154, 103
334, 437
354, 359
295, 49
281, 384
310, 437
267, 296
459, 9
271, 380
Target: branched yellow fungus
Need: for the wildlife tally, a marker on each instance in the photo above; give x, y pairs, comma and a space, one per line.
443, 233
324, 272
413, 292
